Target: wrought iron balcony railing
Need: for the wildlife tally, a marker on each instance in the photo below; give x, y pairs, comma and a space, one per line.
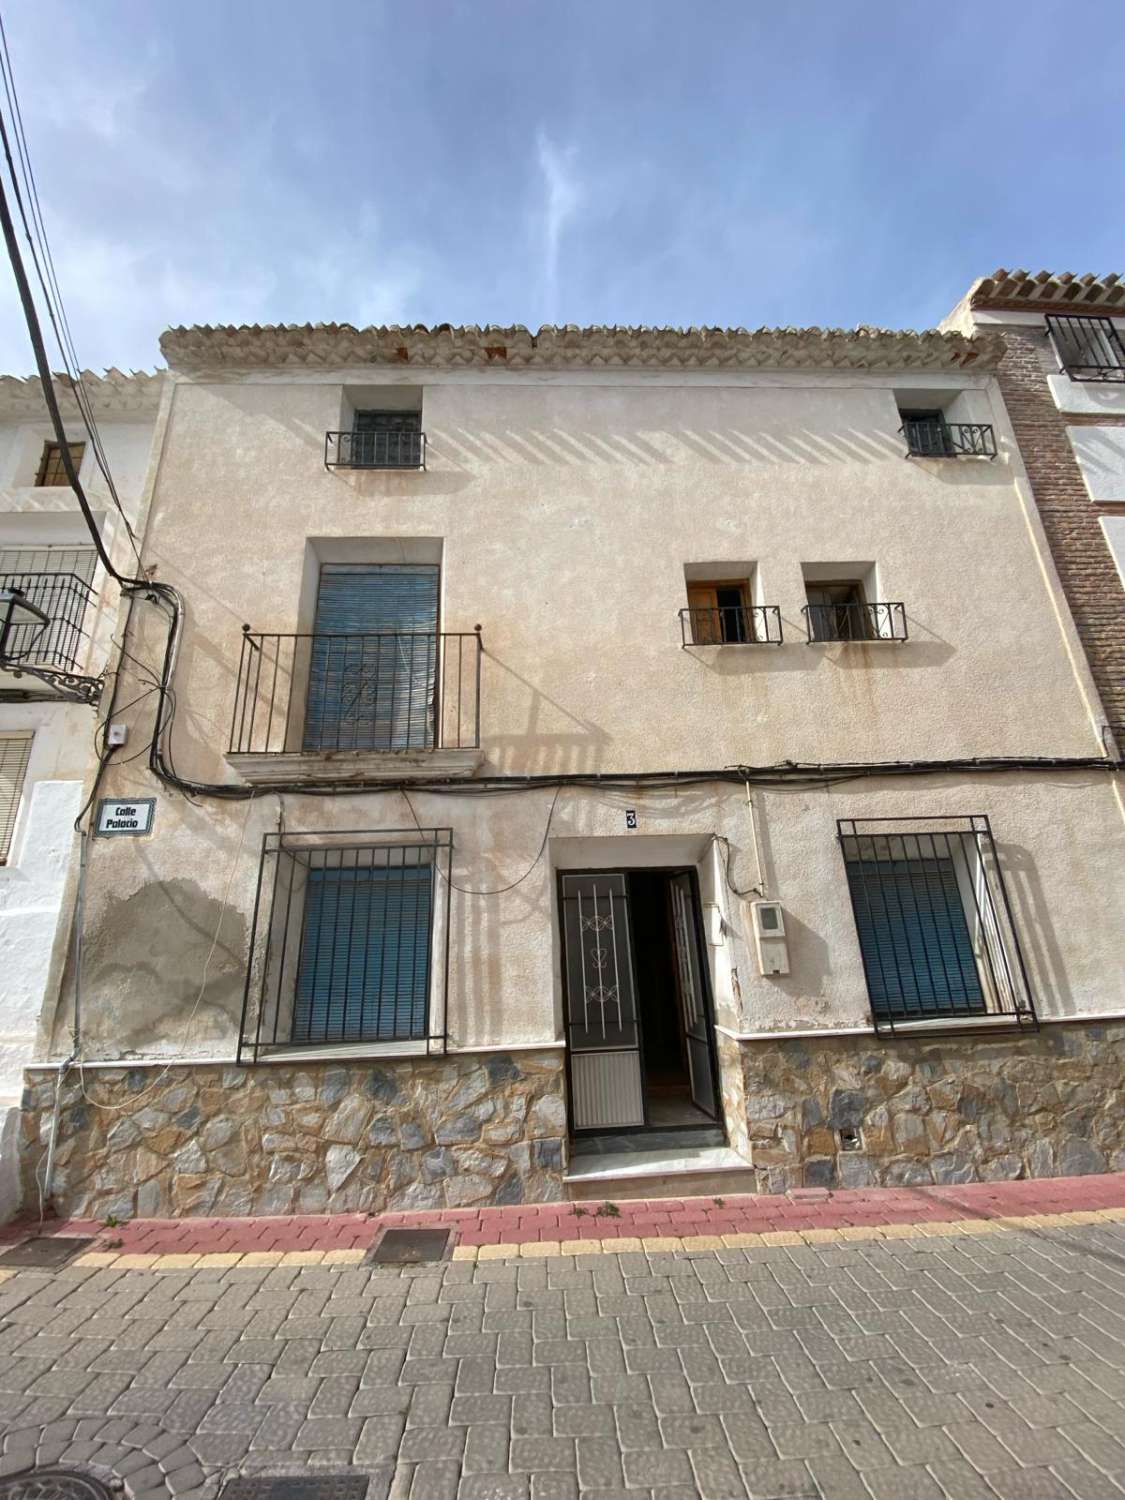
926, 437
1088, 348
855, 622
407, 690
64, 598
374, 450
731, 625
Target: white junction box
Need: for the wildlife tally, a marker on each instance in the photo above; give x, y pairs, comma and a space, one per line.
769, 937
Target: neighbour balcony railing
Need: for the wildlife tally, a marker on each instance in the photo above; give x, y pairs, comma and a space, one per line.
929, 438
855, 622
404, 690
1088, 348
65, 599
731, 625
375, 450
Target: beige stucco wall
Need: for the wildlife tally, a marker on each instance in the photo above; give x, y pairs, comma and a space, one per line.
566, 508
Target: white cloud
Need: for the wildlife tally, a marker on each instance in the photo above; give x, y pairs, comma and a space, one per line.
563, 194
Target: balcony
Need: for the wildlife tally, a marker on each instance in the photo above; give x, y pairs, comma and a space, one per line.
59, 645
731, 625
855, 621
375, 450
1088, 348
340, 708
932, 437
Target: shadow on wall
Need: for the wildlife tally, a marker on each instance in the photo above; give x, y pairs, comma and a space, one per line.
553, 740
143, 967
1031, 913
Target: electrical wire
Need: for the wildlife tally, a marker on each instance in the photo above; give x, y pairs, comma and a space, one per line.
503, 889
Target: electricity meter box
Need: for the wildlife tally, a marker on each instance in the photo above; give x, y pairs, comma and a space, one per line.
770, 943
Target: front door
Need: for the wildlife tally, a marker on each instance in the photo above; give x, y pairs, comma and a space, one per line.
601, 1003
693, 999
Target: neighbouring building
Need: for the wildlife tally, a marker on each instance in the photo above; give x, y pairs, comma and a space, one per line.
599, 762
1063, 383
57, 614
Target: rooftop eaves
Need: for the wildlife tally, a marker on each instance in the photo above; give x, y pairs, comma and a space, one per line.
317, 346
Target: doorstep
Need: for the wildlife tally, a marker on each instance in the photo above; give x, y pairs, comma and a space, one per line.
669, 1172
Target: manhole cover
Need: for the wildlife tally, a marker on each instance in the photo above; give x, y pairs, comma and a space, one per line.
45, 1251
323, 1487
52, 1484
409, 1247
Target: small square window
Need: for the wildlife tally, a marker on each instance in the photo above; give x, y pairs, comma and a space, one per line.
51, 469
15, 752
837, 610
719, 613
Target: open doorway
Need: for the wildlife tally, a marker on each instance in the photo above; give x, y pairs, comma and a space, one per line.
639, 1032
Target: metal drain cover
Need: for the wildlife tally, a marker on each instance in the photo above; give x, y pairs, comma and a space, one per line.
47, 1251
409, 1247
53, 1484
281, 1487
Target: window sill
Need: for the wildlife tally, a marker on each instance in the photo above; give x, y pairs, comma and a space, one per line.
329, 1051
1021, 1021
343, 766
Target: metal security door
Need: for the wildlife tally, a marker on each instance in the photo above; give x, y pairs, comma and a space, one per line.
693, 1001
601, 1003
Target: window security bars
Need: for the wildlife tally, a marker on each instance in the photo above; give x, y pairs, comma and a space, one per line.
416, 690
931, 437
936, 930
344, 949
15, 752
375, 449
855, 621
731, 625
64, 598
1088, 348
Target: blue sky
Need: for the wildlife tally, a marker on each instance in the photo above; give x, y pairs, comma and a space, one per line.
587, 161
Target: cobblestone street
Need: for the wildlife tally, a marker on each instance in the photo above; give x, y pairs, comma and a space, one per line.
922, 1365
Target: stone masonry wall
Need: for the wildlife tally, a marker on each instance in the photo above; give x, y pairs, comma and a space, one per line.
1070, 518
958, 1109
308, 1138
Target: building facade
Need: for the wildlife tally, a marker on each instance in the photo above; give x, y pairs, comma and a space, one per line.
1063, 383
597, 763
51, 669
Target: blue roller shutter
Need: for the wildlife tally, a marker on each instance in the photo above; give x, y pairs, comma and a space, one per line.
364, 972
917, 951
373, 659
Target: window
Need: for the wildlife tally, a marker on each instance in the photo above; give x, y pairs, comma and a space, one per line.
935, 929
344, 941
15, 751
837, 611
927, 434
718, 614
387, 439
51, 470
1088, 348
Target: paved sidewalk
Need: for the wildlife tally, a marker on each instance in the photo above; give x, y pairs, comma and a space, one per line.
664, 1223
921, 1364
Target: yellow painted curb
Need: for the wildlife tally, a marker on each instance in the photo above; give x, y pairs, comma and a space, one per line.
820, 1236
540, 1249
623, 1246
1117, 1214
496, 1252
352, 1257
462, 1252
745, 1241
781, 1237
302, 1257
659, 1243
135, 1262
218, 1259
860, 1232
175, 1262
92, 1258
703, 1242
262, 1258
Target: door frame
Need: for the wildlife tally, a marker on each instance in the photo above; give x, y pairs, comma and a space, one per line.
704, 966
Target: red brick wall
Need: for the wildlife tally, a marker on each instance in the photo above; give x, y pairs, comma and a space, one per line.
1071, 519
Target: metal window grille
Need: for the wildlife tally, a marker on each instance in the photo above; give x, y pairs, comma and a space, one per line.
936, 930
855, 620
51, 470
345, 948
58, 580
1088, 348
933, 437
731, 625
378, 440
15, 752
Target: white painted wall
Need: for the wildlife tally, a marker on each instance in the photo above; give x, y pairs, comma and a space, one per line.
1100, 452
36, 883
566, 507
1114, 528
